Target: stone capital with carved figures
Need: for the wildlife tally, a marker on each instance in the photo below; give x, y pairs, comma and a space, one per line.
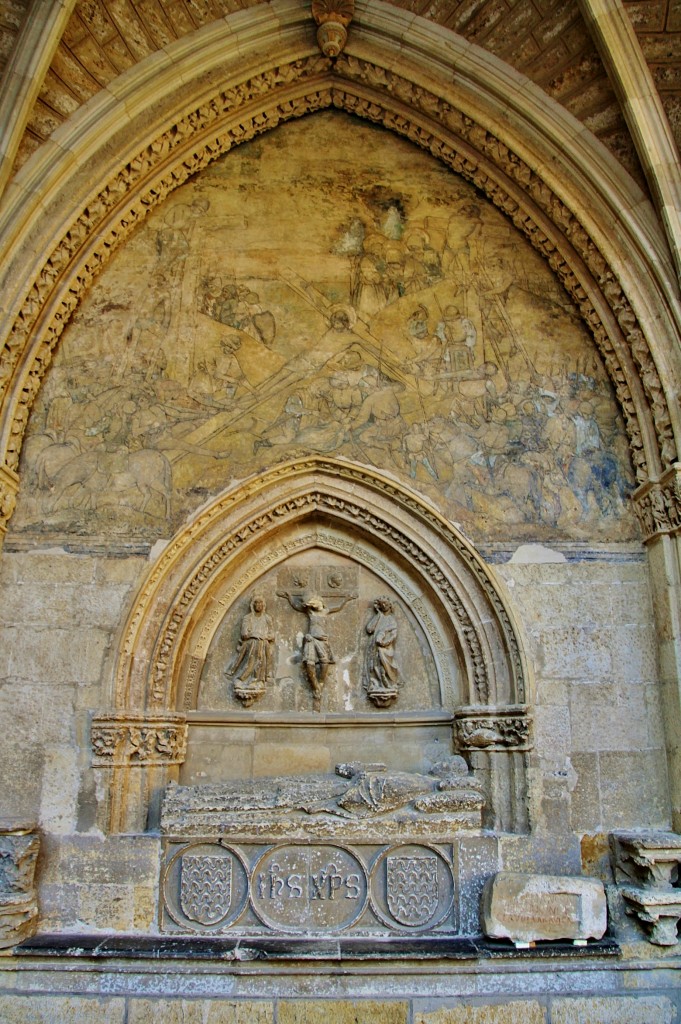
658, 504
19, 847
144, 740
493, 728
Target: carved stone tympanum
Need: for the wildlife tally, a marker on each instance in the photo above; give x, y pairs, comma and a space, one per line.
19, 846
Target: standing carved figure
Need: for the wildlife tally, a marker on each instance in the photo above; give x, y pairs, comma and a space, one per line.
317, 653
252, 665
381, 673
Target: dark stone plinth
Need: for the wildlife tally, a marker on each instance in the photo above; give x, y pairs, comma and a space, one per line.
407, 947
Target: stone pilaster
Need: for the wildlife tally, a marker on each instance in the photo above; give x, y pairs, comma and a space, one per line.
658, 507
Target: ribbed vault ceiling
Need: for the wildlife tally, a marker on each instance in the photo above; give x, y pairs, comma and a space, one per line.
547, 40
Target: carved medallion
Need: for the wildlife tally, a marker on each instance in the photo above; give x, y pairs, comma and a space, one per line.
206, 887
309, 888
411, 888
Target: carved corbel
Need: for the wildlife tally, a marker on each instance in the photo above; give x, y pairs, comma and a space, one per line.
145, 740
333, 18
19, 846
493, 728
9, 485
658, 504
646, 869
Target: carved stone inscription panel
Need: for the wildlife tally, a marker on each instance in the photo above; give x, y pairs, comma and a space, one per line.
308, 889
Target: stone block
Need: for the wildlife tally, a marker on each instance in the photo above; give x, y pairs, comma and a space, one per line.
49, 567
609, 717
120, 570
552, 730
634, 655
109, 907
545, 853
59, 797
277, 759
59, 655
634, 790
476, 859
576, 653
120, 859
342, 1012
613, 1010
199, 1011
528, 908
585, 796
516, 1011
44, 1009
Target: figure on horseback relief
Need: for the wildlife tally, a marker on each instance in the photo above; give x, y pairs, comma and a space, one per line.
371, 307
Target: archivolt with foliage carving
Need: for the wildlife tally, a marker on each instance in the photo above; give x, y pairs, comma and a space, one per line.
360, 502
372, 92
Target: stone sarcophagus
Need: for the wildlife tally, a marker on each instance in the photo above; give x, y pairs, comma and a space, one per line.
366, 851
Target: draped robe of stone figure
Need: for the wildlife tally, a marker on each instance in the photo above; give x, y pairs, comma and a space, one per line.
380, 669
253, 661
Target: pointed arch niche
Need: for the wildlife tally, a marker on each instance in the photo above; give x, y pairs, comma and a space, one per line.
174, 716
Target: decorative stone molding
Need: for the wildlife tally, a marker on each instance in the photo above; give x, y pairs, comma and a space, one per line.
646, 867
9, 485
658, 504
380, 95
493, 728
647, 857
145, 740
19, 847
333, 18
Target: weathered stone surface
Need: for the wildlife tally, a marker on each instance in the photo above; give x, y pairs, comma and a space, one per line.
199, 1011
361, 1012
637, 1009
19, 847
528, 908
516, 1011
368, 799
48, 1009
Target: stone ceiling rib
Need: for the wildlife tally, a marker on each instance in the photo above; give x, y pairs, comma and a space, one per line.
643, 111
32, 52
546, 40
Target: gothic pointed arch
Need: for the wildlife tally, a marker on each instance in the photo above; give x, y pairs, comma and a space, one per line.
330, 508
618, 283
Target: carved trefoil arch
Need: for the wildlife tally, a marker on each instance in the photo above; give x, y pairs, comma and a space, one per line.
332, 509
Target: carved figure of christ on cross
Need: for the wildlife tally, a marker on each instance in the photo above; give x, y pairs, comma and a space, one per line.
317, 653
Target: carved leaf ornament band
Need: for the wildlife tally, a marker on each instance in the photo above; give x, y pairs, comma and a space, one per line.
145, 740
239, 114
